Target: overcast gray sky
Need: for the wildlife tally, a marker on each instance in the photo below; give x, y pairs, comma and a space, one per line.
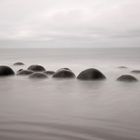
94, 22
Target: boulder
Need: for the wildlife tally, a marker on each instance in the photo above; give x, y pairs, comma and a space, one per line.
122, 67
91, 74
36, 68
136, 71
38, 75
49, 72
64, 69
127, 78
18, 64
6, 71
63, 73
19, 70
24, 72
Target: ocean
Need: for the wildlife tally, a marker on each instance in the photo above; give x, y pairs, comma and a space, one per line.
65, 109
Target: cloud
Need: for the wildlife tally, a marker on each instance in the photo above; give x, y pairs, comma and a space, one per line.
86, 20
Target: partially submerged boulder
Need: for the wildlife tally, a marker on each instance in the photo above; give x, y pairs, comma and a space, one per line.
63, 73
127, 78
136, 71
91, 74
122, 67
24, 72
19, 70
36, 68
38, 75
64, 69
6, 71
49, 72
18, 64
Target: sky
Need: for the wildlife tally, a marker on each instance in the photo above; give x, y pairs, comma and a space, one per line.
95, 23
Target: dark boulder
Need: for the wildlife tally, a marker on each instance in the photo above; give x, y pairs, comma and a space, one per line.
64, 69
36, 68
63, 73
49, 72
122, 67
91, 74
19, 70
6, 71
18, 64
136, 71
127, 78
38, 75
24, 72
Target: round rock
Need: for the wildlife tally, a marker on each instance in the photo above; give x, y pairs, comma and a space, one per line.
49, 72
24, 72
6, 71
36, 68
18, 64
136, 71
38, 75
91, 74
64, 74
64, 69
127, 78
122, 67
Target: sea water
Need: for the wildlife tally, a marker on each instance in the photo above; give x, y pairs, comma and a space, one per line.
65, 109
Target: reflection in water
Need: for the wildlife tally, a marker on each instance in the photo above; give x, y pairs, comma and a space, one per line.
69, 109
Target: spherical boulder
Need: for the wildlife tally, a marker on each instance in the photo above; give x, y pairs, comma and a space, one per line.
49, 72
38, 75
19, 70
24, 72
64, 74
122, 67
136, 71
91, 74
127, 78
36, 68
6, 71
18, 64
64, 69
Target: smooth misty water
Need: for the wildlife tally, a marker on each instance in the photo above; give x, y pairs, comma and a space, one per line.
70, 109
